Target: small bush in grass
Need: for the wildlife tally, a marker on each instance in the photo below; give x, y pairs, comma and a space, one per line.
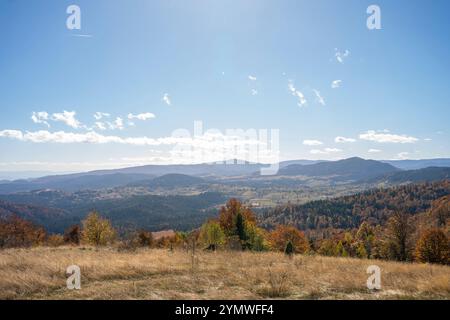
72, 235
55, 240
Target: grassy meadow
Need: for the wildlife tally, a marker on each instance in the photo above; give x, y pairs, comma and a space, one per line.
106, 273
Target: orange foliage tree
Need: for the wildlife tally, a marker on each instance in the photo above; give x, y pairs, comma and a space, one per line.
17, 232
282, 235
230, 212
433, 247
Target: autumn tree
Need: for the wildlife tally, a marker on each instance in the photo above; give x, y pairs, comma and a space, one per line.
17, 232
97, 231
212, 235
433, 247
279, 238
72, 235
365, 236
256, 238
399, 232
326, 248
144, 238
232, 213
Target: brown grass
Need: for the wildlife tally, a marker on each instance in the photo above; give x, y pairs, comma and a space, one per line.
39, 273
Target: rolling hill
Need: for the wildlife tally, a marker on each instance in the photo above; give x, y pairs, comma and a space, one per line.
347, 169
413, 176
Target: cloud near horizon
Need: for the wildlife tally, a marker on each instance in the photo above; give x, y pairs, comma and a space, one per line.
340, 139
385, 137
312, 142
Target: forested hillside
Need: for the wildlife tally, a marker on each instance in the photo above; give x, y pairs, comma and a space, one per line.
348, 212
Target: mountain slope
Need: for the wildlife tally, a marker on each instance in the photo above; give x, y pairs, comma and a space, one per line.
72, 182
172, 180
421, 175
418, 164
347, 169
347, 212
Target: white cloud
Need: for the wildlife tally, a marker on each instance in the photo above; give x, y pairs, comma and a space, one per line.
13, 134
141, 116
312, 142
402, 155
301, 98
213, 141
336, 84
341, 56
374, 151
68, 118
252, 78
100, 125
325, 151
117, 124
383, 137
40, 117
319, 98
343, 140
254, 92
428, 139
166, 99
100, 115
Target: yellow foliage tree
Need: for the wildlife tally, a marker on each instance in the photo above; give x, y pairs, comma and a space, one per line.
97, 231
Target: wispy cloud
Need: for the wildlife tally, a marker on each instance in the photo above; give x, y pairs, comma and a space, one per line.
343, 140
254, 92
325, 151
68, 118
312, 142
402, 155
100, 115
83, 35
374, 151
40, 117
319, 98
141, 116
384, 137
210, 141
336, 84
341, 56
117, 124
100, 125
166, 99
296, 93
252, 78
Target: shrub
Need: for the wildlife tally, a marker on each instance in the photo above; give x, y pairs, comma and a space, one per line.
289, 250
144, 238
433, 247
212, 235
97, 231
55, 240
72, 235
17, 232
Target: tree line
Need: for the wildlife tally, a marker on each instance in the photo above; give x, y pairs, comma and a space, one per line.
423, 237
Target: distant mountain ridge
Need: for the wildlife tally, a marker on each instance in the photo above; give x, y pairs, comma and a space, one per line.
415, 176
351, 169
418, 164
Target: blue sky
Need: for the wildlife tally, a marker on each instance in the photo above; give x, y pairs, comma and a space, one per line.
158, 66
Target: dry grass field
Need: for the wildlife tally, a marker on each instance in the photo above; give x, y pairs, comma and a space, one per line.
39, 273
